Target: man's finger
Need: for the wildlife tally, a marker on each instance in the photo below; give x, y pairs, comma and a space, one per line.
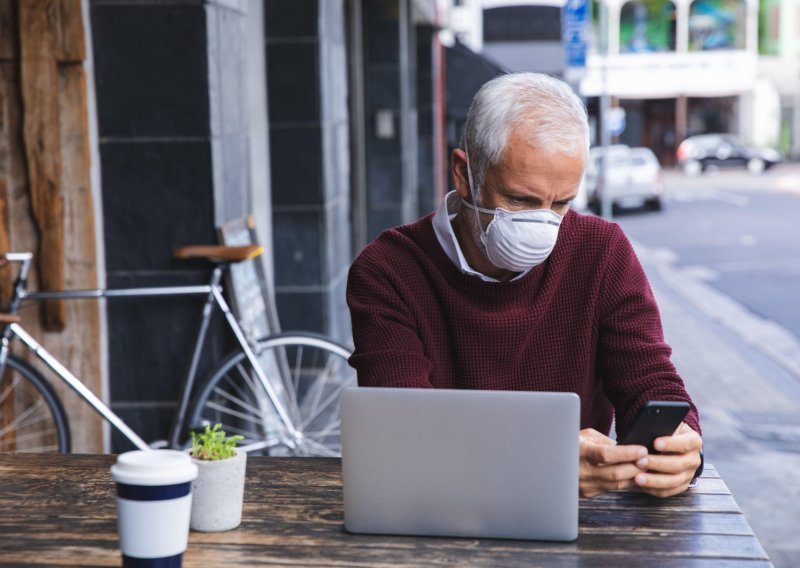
596, 480
682, 443
618, 476
601, 454
662, 481
670, 463
593, 435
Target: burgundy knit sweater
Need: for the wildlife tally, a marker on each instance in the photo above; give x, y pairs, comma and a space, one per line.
584, 321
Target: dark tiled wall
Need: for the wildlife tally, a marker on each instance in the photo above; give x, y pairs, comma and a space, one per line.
173, 155
309, 157
426, 176
389, 60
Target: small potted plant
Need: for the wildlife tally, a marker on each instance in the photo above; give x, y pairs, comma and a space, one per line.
218, 490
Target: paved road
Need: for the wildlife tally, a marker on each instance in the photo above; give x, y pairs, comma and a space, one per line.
738, 352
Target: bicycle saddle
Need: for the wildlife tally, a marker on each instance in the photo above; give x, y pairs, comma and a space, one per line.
220, 253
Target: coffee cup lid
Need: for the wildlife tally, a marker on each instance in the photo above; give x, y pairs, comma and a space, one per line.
153, 467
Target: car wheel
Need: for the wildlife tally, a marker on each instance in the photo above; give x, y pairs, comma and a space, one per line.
654, 204
693, 168
756, 165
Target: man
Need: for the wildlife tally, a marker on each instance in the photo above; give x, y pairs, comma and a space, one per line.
505, 288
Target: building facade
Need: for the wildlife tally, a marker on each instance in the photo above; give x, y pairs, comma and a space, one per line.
676, 68
779, 65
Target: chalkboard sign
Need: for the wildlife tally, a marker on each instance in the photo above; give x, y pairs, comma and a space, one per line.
250, 296
253, 304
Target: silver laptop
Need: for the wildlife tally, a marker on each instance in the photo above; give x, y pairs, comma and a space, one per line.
496, 464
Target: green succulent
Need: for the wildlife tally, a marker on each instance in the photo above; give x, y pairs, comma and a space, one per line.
214, 444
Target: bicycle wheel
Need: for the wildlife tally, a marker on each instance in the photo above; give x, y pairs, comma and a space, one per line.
307, 373
31, 416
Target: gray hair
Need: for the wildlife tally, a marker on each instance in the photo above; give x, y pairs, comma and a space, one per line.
547, 111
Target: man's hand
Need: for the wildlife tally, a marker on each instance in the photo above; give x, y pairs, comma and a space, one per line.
670, 472
605, 466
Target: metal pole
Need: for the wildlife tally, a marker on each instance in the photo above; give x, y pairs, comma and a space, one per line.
606, 209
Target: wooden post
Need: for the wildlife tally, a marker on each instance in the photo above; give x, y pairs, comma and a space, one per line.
8, 57
8, 88
25, 99
39, 81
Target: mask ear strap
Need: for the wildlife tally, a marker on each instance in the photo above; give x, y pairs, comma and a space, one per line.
469, 205
472, 189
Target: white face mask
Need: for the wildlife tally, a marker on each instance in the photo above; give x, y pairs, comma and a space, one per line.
516, 240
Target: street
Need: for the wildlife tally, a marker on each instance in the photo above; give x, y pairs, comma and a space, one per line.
740, 232
724, 262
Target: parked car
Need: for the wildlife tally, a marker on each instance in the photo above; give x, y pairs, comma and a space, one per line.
633, 178
698, 153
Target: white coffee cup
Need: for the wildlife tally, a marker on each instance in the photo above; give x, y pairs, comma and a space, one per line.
154, 503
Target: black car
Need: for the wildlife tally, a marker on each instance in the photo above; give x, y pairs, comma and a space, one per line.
699, 153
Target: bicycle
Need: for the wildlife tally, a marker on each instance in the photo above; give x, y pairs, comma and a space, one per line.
280, 392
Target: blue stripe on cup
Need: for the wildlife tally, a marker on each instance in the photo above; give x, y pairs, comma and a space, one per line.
166, 562
153, 492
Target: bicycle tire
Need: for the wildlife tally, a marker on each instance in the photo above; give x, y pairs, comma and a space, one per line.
32, 418
307, 372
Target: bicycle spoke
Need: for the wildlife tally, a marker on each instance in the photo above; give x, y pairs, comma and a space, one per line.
33, 435
318, 387
333, 397
27, 412
230, 412
256, 390
248, 436
8, 389
332, 429
42, 449
324, 451
270, 442
273, 364
34, 421
240, 403
296, 376
248, 378
21, 422
235, 386
294, 380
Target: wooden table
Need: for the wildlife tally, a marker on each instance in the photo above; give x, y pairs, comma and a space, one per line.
61, 510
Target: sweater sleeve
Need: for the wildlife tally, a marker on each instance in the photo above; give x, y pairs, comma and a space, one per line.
633, 358
388, 349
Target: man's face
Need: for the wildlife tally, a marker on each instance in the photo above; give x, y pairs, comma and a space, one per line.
526, 178
532, 178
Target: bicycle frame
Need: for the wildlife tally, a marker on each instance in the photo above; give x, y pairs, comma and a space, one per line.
213, 294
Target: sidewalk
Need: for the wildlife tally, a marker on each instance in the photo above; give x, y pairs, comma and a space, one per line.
744, 374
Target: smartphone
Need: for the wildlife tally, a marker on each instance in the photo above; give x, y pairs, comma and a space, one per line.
656, 418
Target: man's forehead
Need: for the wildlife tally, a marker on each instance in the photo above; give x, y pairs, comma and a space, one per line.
526, 156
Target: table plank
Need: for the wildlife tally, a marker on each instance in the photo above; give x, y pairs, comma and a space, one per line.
61, 511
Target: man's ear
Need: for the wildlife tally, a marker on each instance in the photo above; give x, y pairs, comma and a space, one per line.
458, 169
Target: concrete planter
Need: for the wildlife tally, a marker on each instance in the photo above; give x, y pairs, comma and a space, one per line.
217, 493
